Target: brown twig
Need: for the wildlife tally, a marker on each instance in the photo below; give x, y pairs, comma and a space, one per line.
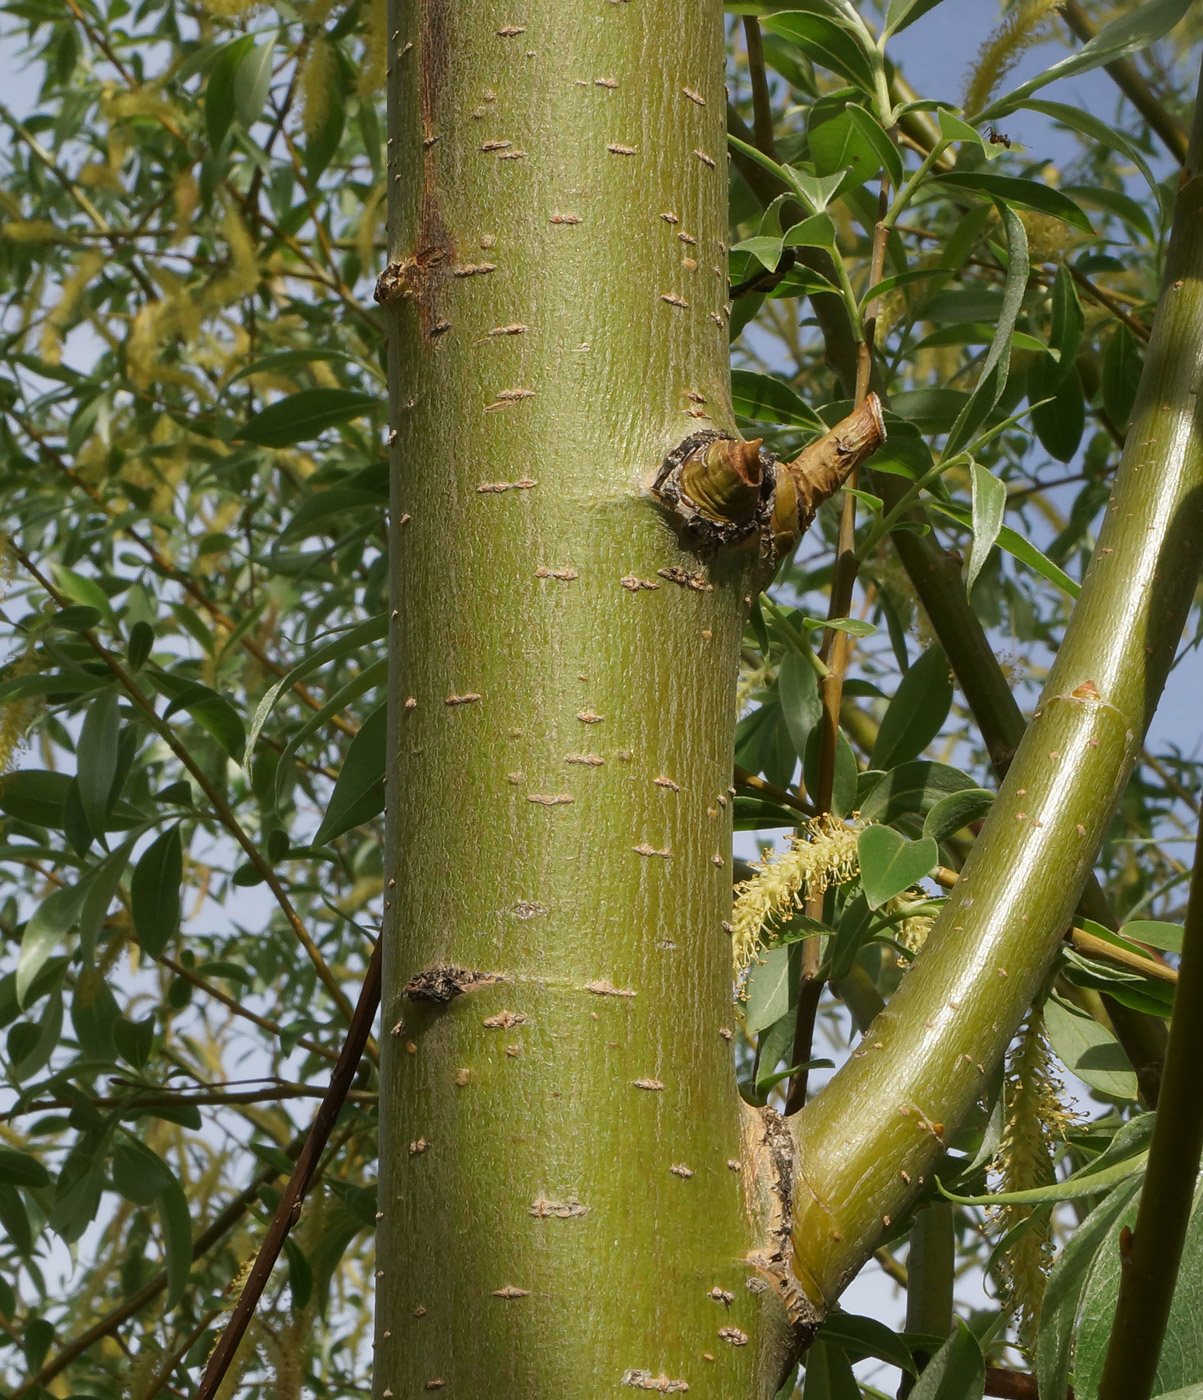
289, 1209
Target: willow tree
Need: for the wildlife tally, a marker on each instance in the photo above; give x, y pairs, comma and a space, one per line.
611, 567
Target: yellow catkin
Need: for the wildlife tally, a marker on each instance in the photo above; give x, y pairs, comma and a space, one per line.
822, 854
317, 74
1035, 1119
28, 230
242, 276
375, 48
74, 286
230, 9
1025, 24
911, 932
752, 680
187, 193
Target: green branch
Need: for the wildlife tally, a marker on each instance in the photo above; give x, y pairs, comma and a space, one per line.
870, 1140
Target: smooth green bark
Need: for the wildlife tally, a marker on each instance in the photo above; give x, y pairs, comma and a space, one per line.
869, 1142
561, 1193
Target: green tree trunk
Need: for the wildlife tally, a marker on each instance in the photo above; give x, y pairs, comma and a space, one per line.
562, 1205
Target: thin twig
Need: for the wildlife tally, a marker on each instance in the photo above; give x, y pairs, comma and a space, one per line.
289, 1209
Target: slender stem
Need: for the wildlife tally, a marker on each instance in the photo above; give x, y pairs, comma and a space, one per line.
289, 1209
220, 806
762, 109
931, 1272
1149, 1257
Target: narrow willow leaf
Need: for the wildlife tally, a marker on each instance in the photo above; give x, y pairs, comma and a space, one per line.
1135, 30
911, 787
1015, 544
826, 43
993, 378
155, 892
954, 812
917, 712
886, 151
220, 90
902, 13
770, 989
306, 415
866, 1336
768, 400
358, 794
96, 758
46, 929
347, 644
989, 509
1009, 190
1088, 1050
798, 689
829, 1373
956, 1372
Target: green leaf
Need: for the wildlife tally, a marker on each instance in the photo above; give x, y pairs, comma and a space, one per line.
318, 514
1181, 1360
816, 232
22, 1169
1154, 932
252, 80
220, 90
828, 1373
176, 1223
956, 1372
47, 927
1122, 361
902, 13
284, 361
102, 889
917, 712
854, 626
765, 249
993, 378
771, 988
77, 618
768, 400
305, 415
989, 509
1010, 190
96, 756
1114, 202
358, 794
1059, 419
866, 1336
912, 787
134, 1040
93, 1011
82, 590
1079, 119
141, 642
1015, 544
956, 811
903, 279
155, 892
212, 712
323, 144
826, 43
843, 791
886, 151
1135, 30
350, 642
798, 689
836, 142
16, 1227
1088, 1050
889, 863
